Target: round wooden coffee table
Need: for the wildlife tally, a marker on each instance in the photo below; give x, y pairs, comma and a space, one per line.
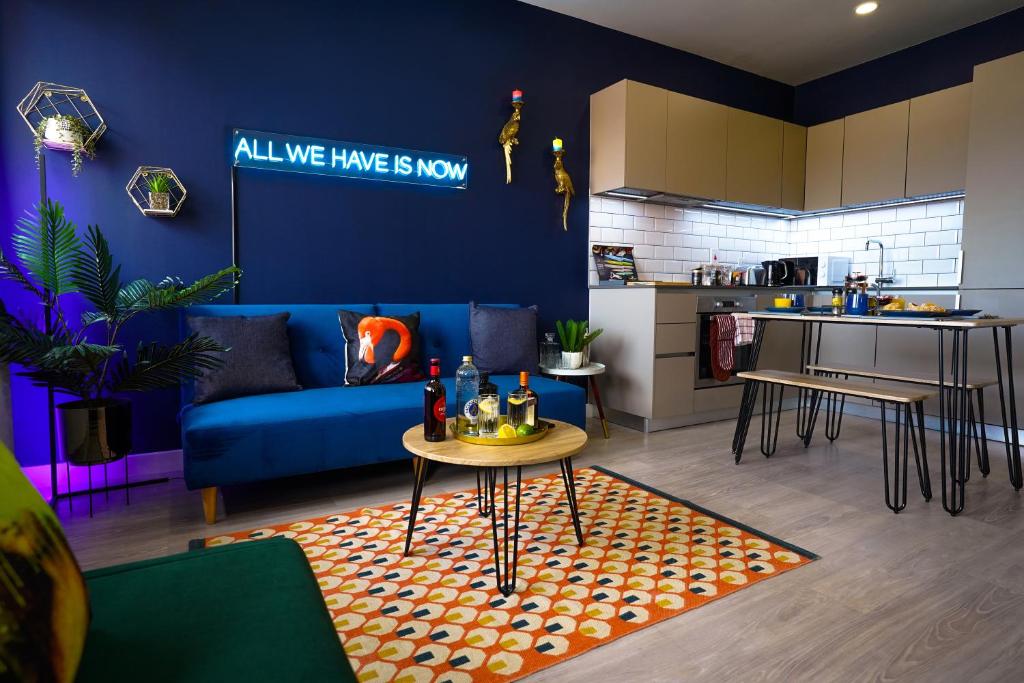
564, 441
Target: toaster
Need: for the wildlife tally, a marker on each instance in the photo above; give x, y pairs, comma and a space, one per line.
753, 276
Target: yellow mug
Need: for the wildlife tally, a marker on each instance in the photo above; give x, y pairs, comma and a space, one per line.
783, 302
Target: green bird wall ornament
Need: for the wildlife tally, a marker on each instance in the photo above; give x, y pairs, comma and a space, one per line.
563, 183
510, 131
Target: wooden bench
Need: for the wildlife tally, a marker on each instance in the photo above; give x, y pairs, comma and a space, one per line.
905, 400
975, 395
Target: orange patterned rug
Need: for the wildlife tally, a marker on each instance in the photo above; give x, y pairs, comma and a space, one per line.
438, 616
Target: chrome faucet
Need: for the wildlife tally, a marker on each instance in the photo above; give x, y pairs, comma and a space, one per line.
880, 279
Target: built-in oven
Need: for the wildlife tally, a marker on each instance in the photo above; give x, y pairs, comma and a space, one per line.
707, 308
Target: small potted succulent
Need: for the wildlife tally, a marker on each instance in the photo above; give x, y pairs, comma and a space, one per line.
68, 134
159, 185
576, 337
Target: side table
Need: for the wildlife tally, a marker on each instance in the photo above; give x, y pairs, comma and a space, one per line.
590, 371
564, 441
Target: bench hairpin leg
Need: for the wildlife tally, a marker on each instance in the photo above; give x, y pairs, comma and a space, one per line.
983, 463
814, 407
770, 434
834, 406
921, 456
746, 414
894, 485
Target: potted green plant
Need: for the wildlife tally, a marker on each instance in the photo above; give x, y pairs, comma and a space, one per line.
66, 133
83, 358
159, 185
575, 337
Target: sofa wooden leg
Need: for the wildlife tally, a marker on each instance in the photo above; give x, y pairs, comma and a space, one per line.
210, 504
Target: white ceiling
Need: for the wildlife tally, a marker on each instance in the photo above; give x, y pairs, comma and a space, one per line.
792, 41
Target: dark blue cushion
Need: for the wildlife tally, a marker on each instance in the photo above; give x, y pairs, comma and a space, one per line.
504, 339
261, 437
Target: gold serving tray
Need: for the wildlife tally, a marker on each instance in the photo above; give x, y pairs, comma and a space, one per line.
539, 434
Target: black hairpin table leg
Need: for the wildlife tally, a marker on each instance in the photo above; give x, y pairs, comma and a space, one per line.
419, 473
570, 494
504, 569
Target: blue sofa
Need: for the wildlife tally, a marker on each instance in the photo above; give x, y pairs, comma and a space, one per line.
328, 425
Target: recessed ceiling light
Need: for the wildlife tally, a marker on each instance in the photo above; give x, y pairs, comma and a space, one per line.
865, 8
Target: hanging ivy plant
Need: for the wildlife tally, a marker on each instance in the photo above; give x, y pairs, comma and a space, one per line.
69, 131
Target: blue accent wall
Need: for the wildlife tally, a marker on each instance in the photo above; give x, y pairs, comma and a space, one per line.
934, 65
173, 80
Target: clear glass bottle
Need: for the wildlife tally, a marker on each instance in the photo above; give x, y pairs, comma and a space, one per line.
524, 404
467, 392
550, 352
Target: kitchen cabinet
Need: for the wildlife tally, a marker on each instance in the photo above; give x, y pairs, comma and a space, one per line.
823, 188
794, 156
993, 236
937, 146
696, 147
875, 154
628, 137
754, 159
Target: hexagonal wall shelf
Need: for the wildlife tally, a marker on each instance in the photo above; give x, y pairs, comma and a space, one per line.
49, 100
163, 204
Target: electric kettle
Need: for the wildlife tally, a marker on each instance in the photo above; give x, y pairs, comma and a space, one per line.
775, 272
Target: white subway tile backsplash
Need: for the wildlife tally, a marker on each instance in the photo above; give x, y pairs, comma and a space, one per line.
939, 266
925, 224
905, 213
622, 222
922, 280
881, 216
643, 223
922, 253
922, 241
955, 222
943, 237
944, 208
910, 239
611, 205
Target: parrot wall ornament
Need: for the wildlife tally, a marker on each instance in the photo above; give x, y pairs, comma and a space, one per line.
510, 131
563, 183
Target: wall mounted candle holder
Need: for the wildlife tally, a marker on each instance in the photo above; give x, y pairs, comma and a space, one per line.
510, 132
62, 118
563, 183
156, 191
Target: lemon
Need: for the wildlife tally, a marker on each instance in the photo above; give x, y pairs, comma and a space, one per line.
515, 401
507, 431
489, 405
524, 430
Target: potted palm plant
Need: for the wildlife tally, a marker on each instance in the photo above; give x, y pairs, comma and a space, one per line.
84, 358
159, 185
575, 337
66, 133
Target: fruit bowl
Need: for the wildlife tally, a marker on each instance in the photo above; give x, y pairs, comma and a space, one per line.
517, 440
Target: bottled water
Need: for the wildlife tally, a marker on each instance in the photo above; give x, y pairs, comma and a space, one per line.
467, 392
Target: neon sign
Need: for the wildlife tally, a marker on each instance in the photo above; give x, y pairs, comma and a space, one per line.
277, 152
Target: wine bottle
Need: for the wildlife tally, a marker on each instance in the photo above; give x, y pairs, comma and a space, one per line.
434, 409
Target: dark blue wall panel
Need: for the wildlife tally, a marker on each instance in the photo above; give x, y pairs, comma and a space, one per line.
940, 63
172, 81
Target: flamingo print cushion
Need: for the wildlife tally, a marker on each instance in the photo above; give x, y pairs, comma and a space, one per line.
259, 360
380, 349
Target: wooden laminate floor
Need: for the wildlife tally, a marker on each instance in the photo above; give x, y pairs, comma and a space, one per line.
918, 596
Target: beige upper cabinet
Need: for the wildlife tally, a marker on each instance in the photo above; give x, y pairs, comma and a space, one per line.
754, 159
937, 150
875, 154
794, 157
627, 137
823, 188
697, 136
